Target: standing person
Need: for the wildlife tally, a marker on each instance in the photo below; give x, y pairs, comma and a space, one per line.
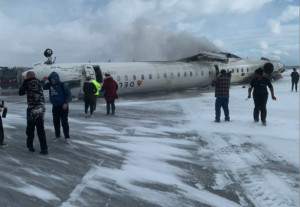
295, 79
98, 89
260, 95
35, 111
89, 90
2, 144
222, 85
60, 97
110, 88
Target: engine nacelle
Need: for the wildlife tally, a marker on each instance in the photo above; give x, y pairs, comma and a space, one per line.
268, 68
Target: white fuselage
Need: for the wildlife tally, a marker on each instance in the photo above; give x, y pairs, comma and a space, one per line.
141, 77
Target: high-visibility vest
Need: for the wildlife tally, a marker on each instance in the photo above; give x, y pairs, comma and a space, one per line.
97, 86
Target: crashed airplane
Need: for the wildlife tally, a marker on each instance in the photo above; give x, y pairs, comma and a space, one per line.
141, 77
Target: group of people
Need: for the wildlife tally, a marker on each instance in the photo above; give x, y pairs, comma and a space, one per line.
259, 86
60, 97
91, 89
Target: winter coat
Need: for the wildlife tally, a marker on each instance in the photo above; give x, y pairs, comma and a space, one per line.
34, 90
59, 93
295, 76
110, 88
35, 98
89, 90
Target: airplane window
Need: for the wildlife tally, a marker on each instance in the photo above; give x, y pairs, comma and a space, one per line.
118, 78
232, 71
196, 73
237, 70
191, 73
184, 74
134, 77
178, 74
126, 78
157, 75
142, 77
172, 75
247, 69
165, 75
150, 76
242, 70
202, 73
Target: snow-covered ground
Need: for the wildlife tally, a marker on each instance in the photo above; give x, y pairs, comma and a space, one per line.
162, 150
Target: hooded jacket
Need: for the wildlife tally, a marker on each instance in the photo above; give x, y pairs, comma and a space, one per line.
89, 90
110, 88
59, 93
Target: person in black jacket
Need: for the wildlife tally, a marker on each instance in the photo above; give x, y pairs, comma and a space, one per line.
89, 90
35, 111
260, 95
2, 144
295, 79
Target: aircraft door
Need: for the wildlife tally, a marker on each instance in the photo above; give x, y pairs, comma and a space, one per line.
217, 70
98, 73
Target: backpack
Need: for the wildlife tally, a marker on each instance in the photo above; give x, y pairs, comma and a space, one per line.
63, 89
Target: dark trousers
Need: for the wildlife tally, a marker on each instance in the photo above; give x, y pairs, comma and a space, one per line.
110, 103
38, 122
222, 102
1, 131
260, 105
61, 115
294, 83
90, 105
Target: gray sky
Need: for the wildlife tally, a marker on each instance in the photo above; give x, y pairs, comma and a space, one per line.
126, 30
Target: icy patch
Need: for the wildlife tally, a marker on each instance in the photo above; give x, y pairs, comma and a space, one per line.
37, 192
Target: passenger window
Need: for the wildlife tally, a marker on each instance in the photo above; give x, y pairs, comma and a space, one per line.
232, 71
178, 74
134, 77
184, 74
196, 73
242, 70
150, 76
247, 69
165, 75
142, 77
237, 70
172, 75
191, 73
126, 78
118, 78
157, 75
202, 73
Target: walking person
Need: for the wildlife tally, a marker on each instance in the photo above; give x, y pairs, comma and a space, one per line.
109, 88
295, 79
35, 111
97, 85
260, 95
2, 144
89, 90
222, 85
60, 96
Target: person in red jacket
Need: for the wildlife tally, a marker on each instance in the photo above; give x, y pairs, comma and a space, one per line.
109, 88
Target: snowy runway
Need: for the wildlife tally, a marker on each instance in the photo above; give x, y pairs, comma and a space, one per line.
159, 151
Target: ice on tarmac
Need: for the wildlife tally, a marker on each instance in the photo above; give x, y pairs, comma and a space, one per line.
162, 150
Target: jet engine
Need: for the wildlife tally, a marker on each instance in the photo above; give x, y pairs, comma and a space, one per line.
268, 68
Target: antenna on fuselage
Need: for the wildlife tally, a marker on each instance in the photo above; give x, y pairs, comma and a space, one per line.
48, 53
